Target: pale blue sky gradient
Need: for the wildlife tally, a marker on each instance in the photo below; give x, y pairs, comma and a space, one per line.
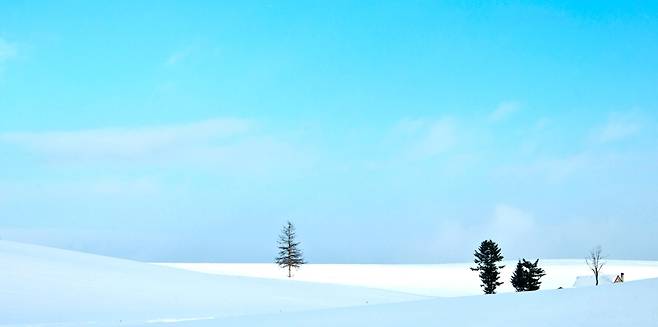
387, 131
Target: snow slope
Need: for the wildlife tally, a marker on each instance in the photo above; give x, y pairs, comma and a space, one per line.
631, 304
48, 287
589, 280
40, 285
444, 280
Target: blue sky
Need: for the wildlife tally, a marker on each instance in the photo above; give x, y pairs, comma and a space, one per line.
387, 131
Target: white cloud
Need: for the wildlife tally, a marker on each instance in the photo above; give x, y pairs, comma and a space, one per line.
7, 50
427, 138
504, 110
511, 226
83, 189
407, 126
178, 56
586, 157
124, 187
558, 169
617, 128
440, 137
228, 147
127, 143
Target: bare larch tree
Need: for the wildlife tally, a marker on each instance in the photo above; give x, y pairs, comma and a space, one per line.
290, 256
595, 261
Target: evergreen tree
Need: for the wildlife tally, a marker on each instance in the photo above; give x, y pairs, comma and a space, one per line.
487, 257
534, 275
527, 275
290, 256
519, 278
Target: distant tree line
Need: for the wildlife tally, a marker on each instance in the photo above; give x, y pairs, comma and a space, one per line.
488, 256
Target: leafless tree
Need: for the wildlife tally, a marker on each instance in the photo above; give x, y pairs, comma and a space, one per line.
595, 261
290, 255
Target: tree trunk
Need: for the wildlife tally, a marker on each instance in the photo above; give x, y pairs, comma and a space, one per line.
290, 275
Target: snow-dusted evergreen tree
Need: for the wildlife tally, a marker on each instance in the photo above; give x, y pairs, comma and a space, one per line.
487, 257
290, 256
527, 276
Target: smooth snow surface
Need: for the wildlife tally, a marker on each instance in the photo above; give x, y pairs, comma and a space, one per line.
444, 280
46, 285
584, 281
634, 304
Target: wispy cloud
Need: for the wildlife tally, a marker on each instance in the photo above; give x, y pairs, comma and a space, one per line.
504, 111
555, 169
427, 138
617, 128
227, 146
103, 186
178, 56
522, 233
509, 225
126, 143
7, 50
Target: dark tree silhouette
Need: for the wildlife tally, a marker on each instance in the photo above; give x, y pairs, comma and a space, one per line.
290, 256
527, 275
534, 275
595, 262
487, 257
519, 279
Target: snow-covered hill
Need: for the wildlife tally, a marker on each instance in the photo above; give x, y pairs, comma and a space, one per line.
48, 287
633, 304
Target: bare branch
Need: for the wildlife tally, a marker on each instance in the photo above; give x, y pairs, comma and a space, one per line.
595, 261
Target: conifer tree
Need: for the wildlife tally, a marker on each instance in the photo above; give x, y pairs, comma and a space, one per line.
487, 257
290, 256
527, 275
519, 278
534, 275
